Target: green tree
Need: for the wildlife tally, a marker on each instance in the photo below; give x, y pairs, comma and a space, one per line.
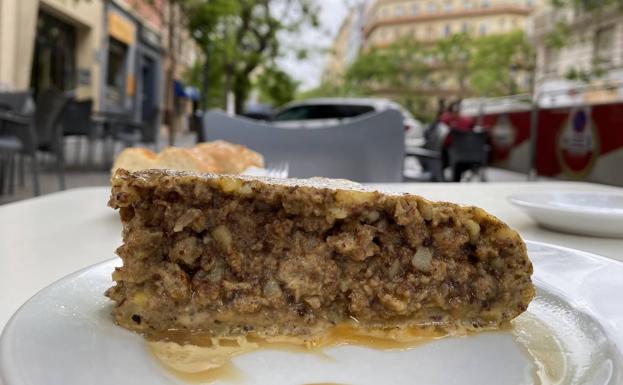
408, 70
495, 62
275, 86
239, 37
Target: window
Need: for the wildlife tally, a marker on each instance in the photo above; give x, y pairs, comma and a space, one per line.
467, 4
431, 7
322, 111
484, 3
447, 30
448, 6
399, 11
465, 27
604, 45
502, 23
430, 32
116, 71
529, 3
483, 29
414, 9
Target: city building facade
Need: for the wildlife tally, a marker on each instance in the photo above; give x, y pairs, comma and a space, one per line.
589, 56
52, 43
430, 20
427, 21
113, 52
346, 45
132, 58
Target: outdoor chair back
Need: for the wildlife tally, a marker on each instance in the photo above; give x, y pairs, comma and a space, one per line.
369, 148
468, 147
77, 118
19, 102
48, 128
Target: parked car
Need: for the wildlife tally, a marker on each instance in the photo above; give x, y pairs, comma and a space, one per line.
310, 113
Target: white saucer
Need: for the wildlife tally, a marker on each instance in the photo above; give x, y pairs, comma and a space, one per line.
586, 213
65, 335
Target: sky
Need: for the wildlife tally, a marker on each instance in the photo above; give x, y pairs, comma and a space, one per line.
309, 70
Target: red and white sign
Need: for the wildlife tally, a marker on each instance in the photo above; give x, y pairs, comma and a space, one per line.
578, 143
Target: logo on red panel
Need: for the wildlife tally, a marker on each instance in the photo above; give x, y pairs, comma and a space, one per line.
502, 137
578, 143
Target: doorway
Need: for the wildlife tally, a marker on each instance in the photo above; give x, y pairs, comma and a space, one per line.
148, 87
54, 60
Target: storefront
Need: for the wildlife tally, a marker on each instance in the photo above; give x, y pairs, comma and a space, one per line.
148, 74
119, 80
132, 66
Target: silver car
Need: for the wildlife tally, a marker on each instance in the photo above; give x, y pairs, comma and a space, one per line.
320, 112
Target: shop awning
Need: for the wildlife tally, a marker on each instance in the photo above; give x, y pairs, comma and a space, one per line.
188, 92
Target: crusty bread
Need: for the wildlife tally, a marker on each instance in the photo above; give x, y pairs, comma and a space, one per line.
135, 158
234, 158
214, 157
177, 158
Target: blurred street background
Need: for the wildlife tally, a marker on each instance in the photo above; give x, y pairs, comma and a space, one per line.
487, 90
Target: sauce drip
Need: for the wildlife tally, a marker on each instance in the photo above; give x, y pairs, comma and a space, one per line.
198, 357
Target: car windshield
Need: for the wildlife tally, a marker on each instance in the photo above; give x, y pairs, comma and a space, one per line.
322, 111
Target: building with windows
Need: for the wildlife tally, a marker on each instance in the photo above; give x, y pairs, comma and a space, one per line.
132, 57
589, 52
346, 45
430, 20
113, 52
388, 21
52, 43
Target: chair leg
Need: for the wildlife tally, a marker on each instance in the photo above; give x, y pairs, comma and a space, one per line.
78, 150
11, 163
21, 170
2, 156
35, 175
60, 164
89, 152
483, 174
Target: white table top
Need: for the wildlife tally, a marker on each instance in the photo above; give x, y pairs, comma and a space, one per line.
43, 239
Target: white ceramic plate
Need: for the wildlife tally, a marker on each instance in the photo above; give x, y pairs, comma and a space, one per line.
585, 213
573, 329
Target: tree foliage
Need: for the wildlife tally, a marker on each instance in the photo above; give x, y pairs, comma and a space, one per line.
240, 37
275, 86
411, 71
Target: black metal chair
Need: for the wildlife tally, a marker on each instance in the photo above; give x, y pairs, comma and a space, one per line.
468, 151
77, 122
430, 156
19, 102
145, 132
120, 128
42, 132
11, 145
